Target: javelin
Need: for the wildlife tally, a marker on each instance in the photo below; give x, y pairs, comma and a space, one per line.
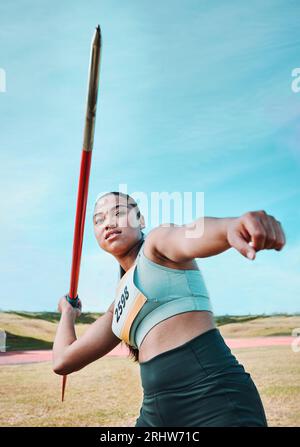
85, 166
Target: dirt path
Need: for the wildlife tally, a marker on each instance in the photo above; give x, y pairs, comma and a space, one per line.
17, 357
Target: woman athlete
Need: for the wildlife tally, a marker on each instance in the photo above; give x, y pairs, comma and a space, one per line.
163, 313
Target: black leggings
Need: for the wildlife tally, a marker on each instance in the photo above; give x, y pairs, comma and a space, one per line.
199, 384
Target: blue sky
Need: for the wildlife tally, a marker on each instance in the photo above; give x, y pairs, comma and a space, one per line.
194, 96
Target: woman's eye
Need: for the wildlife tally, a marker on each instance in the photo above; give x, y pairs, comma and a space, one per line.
100, 220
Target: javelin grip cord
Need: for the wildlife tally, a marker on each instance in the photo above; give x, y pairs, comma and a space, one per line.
72, 301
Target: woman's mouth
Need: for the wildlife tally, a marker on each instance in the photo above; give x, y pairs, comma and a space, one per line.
112, 236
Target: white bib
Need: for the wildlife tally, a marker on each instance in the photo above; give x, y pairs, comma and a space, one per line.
128, 302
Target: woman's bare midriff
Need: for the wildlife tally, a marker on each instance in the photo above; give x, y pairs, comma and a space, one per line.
175, 331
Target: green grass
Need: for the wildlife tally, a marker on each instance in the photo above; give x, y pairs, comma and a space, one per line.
36, 330
54, 317
17, 343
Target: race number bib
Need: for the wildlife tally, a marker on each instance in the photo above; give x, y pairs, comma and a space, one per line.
128, 302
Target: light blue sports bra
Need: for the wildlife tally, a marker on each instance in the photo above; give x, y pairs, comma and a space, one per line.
165, 292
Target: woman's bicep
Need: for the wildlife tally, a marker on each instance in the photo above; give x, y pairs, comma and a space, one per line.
97, 341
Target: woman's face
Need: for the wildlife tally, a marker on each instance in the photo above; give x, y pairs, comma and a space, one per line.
113, 215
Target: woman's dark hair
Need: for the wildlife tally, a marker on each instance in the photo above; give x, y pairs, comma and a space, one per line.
133, 352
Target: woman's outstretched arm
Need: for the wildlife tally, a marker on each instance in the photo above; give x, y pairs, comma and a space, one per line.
209, 236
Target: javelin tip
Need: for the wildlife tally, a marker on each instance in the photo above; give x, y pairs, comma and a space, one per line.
97, 35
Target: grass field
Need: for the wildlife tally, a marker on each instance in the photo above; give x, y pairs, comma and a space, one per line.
108, 393
36, 330
29, 330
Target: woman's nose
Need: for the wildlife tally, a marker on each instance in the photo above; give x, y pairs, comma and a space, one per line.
110, 223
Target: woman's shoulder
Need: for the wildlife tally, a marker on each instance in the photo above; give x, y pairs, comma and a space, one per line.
151, 251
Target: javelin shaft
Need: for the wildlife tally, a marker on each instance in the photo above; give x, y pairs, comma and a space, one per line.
88, 141
85, 166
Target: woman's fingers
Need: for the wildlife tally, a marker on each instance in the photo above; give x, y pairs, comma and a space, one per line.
265, 231
275, 236
254, 231
63, 303
268, 224
237, 240
79, 307
280, 236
